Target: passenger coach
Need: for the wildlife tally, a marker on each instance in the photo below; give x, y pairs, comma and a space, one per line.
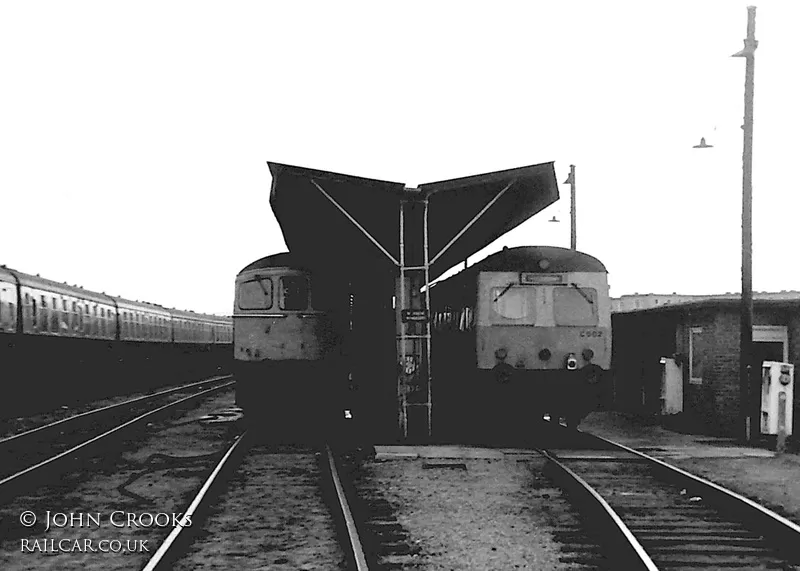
64, 343
524, 333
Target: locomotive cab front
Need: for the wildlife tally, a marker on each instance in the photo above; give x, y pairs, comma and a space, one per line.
522, 334
284, 348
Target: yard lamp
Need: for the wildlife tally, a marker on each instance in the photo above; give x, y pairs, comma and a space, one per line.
750, 407
749, 411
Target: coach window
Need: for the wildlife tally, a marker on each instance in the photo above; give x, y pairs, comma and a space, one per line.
35, 314
256, 294
45, 316
574, 305
512, 302
294, 293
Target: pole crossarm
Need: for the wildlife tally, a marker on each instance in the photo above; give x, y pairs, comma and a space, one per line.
355, 223
471, 222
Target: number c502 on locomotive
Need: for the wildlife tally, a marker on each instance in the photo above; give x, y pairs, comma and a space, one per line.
524, 333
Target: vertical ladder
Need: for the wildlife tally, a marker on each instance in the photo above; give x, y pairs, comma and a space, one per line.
413, 331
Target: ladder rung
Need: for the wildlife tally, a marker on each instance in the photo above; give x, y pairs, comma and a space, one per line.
413, 268
426, 336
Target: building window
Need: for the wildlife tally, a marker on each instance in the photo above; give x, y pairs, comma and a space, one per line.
696, 356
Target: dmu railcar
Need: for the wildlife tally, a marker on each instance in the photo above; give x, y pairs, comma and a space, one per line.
287, 348
524, 333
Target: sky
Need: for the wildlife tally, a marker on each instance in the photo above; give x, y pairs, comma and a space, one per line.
134, 136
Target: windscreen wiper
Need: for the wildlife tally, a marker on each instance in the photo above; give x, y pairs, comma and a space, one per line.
261, 283
508, 287
583, 293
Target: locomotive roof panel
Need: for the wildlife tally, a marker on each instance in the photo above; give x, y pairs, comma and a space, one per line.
308, 204
527, 259
542, 259
282, 260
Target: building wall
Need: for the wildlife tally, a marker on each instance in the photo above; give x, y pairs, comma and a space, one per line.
700, 401
639, 342
712, 406
793, 326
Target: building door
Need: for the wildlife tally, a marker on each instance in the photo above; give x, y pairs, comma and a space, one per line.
766, 351
770, 343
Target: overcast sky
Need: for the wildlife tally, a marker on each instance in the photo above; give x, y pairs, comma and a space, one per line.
134, 136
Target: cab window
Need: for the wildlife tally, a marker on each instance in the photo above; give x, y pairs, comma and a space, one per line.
513, 302
294, 293
256, 294
575, 305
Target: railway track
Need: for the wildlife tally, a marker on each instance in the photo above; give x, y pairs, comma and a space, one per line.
656, 516
284, 508
30, 458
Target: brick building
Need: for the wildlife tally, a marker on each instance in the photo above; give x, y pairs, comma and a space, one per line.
702, 336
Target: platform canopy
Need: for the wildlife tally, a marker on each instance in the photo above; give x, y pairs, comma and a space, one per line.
354, 223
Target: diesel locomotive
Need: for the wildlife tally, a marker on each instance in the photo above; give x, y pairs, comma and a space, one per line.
287, 347
522, 334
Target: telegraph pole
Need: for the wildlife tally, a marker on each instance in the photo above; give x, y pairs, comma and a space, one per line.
572, 213
750, 406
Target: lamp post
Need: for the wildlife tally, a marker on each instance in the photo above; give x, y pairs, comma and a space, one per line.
572, 213
749, 403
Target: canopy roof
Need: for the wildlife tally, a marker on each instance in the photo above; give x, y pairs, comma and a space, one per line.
320, 213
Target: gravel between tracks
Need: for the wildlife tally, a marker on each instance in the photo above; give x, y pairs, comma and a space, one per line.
11, 426
155, 472
490, 516
272, 516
